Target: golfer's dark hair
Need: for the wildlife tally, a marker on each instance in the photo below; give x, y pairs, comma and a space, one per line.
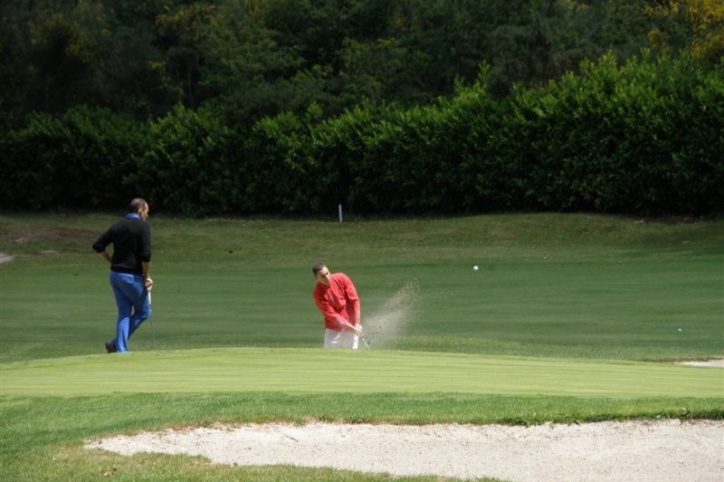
136, 205
317, 268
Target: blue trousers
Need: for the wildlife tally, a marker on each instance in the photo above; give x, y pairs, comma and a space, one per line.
133, 306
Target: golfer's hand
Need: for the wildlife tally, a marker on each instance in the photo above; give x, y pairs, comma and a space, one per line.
148, 282
357, 329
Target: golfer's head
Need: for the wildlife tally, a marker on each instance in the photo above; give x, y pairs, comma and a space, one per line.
139, 206
321, 273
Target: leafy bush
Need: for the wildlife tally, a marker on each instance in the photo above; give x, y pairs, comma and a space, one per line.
189, 166
80, 159
283, 176
643, 138
386, 160
29, 163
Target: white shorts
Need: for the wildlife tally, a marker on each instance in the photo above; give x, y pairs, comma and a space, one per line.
340, 339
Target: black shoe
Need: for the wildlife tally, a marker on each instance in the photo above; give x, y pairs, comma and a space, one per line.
110, 347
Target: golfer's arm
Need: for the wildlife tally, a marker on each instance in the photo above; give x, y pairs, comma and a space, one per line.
147, 281
353, 298
104, 254
357, 314
327, 311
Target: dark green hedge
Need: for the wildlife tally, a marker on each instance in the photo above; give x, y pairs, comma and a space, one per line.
81, 159
643, 138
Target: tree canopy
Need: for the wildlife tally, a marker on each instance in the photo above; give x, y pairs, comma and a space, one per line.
387, 106
262, 57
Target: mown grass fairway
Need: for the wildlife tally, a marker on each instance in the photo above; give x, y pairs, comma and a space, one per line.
294, 370
569, 318
549, 285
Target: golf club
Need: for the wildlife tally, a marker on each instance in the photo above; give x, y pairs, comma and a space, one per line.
347, 323
153, 330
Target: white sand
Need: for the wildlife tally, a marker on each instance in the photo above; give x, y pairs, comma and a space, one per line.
600, 452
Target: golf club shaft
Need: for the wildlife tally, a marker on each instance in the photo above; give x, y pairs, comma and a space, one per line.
153, 329
350, 325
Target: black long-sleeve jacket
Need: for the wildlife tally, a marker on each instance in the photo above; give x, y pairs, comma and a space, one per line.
131, 239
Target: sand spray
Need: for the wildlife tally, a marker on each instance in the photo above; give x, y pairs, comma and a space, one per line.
390, 320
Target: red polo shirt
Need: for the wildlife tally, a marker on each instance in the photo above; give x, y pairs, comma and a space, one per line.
338, 300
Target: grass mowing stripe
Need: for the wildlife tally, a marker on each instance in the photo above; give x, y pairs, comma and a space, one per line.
320, 371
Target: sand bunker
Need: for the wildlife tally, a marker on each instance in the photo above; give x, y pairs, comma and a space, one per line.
598, 452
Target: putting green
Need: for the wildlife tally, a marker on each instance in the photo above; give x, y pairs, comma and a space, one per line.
320, 371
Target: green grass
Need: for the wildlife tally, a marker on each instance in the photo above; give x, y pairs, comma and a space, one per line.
549, 285
571, 318
293, 370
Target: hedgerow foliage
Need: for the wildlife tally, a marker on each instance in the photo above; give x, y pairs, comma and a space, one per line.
646, 137
82, 158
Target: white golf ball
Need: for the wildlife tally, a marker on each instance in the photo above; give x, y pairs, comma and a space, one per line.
475, 268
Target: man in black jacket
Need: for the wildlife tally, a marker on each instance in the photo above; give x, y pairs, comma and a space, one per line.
130, 271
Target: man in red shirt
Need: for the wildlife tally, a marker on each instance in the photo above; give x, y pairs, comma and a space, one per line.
337, 300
